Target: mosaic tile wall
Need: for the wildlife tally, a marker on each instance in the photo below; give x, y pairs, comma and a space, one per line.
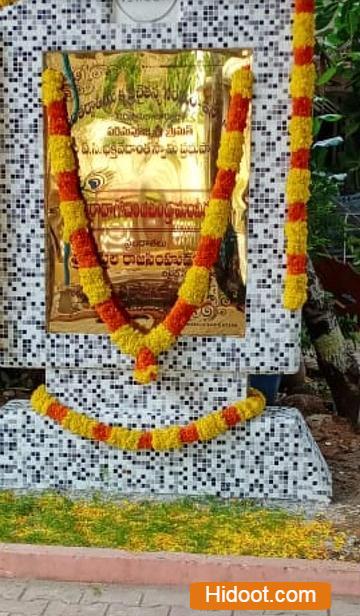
243, 464
273, 457
31, 26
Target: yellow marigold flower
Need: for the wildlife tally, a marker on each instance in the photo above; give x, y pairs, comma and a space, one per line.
304, 30
211, 426
252, 406
242, 83
74, 217
41, 400
303, 81
52, 86
296, 234
195, 286
298, 186
93, 284
128, 339
124, 438
166, 438
208, 427
216, 218
159, 339
301, 133
79, 424
144, 376
61, 154
248, 409
230, 150
295, 293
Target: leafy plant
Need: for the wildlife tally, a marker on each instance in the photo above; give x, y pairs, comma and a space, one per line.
326, 225
338, 49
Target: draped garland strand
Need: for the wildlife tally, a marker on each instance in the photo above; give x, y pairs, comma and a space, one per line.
159, 439
302, 87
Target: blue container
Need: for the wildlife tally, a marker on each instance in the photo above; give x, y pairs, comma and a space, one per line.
268, 384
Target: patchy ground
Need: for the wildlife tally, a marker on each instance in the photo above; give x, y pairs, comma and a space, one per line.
339, 442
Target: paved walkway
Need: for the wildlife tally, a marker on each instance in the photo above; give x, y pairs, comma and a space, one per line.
35, 598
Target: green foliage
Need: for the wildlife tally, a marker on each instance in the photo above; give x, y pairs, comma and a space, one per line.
326, 225
338, 46
336, 153
353, 247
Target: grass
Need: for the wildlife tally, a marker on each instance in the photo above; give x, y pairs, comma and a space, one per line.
206, 526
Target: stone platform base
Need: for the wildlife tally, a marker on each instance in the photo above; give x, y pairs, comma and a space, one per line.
273, 457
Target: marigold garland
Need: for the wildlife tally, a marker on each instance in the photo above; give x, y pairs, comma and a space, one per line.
302, 86
195, 287
159, 439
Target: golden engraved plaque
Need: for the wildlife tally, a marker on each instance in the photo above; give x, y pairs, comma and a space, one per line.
147, 133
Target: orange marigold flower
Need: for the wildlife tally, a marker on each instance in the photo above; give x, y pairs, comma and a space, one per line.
145, 358
224, 184
58, 119
57, 412
68, 183
101, 432
111, 313
296, 264
189, 434
304, 6
300, 159
207, 252
178, 316
238, 112
303, 55
145, 441
231, 415
297, 212
83, 247
302, 107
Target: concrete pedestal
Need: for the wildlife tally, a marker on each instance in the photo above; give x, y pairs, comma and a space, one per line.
273, 457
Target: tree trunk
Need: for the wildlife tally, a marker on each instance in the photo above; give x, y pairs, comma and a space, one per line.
336, 360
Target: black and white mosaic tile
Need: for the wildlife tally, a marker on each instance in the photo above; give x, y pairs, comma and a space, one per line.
33, 26
257, 460
271, 457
